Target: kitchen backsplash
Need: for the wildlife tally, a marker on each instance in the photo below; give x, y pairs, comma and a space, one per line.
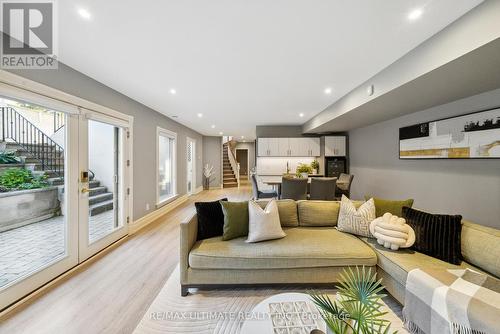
277, 165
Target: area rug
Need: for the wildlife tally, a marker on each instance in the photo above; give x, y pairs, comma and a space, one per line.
219, 311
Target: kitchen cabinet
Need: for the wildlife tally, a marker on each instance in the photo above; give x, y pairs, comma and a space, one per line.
268, 147
289, 147
335, 146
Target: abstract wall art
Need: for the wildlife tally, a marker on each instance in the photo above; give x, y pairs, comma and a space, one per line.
471, 136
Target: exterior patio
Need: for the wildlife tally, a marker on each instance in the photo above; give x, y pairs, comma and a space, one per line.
29, 248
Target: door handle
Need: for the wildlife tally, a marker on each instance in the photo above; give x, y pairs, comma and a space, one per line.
85, 190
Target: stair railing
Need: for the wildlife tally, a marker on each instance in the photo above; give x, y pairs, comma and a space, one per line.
33, 140
234, 165
59, 120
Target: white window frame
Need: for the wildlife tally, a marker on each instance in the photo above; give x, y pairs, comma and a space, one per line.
172, 135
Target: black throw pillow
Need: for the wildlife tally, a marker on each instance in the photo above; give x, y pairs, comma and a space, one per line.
210, 219
438, 236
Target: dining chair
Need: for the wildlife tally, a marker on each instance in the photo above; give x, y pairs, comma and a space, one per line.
344, 185
323, 188
295, 189
258, 194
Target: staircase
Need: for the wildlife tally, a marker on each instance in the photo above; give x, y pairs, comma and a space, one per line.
228, 177
34, 147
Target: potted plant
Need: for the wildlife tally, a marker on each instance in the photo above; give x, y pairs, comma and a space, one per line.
303, 170
315, 166
358, 307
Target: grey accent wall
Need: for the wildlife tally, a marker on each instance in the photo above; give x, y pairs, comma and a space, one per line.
467, 187
278, 131
146, 120
212, 155
250, 146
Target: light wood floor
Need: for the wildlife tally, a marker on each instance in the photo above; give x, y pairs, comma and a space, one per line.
112, 294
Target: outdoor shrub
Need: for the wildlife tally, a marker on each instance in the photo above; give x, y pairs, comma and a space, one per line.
8, 157
20, 179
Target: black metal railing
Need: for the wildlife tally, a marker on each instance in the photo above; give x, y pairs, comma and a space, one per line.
59, 120
17, 128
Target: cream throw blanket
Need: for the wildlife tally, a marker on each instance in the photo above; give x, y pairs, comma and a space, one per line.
440, 301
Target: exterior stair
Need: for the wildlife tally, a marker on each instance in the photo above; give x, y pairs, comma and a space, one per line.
228, 177
100, 200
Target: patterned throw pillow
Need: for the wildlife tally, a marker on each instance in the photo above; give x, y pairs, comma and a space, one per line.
356, 221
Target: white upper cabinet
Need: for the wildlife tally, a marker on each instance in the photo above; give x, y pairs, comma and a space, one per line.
312, 147
335, 146
263, 147
274, 147
288, 147
284, 147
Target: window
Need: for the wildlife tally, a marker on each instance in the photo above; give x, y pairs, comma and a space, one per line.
166, 165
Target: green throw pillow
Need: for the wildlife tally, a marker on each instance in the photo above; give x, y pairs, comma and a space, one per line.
394, 207
235, 219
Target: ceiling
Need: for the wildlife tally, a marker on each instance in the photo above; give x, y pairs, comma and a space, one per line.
239, 63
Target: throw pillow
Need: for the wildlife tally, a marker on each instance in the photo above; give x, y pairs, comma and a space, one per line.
393, 207
235, 219
436, 235
210, 219
356, 221
287, 208
264, 224
318, 213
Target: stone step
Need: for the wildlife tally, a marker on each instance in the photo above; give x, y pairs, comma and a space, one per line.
97, 191
100, 207
56, 181
94, 184
100, 198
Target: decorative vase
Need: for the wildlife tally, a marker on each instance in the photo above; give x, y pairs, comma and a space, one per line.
315, 171
304, 175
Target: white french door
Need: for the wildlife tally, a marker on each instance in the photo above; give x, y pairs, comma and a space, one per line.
104, 181
75, 200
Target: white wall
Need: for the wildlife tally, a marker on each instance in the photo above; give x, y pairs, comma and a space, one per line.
467, 187
102, 153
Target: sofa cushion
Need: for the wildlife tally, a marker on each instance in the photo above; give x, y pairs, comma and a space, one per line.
481, 247
398, 263
386, 205
287, 209
303, 247
318, 213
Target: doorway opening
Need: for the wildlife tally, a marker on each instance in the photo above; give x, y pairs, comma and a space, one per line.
242, 158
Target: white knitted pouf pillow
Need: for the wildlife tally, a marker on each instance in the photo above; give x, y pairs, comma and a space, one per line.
392, 232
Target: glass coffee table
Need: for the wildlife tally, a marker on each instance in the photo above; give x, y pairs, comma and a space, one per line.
285, 313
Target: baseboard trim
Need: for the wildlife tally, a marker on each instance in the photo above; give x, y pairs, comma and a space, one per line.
198, 190
152, 216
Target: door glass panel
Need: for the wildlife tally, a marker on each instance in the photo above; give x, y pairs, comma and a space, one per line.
190, 148
33, 227
103, 158
165, 167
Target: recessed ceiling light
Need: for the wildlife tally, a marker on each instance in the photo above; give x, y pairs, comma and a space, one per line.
301, 114
213, 126
242, 137
200, 115
415, 14
173, 91
328, 90
221, 133
84, 13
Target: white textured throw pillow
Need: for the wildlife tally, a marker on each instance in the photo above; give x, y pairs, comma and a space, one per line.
356, 221
264, 224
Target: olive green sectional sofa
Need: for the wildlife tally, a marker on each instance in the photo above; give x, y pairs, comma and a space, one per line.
314, 252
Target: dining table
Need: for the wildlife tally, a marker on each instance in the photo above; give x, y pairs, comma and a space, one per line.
276, 184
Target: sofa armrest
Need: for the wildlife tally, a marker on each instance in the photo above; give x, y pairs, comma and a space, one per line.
189, 231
